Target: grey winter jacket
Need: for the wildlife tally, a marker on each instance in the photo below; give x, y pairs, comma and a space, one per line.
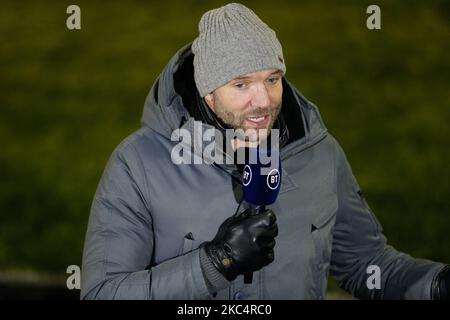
149, 216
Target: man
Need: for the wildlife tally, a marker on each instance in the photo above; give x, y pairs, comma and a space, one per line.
160, 229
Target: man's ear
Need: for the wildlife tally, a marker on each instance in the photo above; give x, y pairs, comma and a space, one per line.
209, 98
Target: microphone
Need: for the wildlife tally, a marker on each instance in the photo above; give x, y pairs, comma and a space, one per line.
261, 181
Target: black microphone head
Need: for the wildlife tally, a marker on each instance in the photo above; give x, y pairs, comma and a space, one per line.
261, 179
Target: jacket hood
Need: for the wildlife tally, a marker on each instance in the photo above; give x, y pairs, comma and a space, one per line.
171, 104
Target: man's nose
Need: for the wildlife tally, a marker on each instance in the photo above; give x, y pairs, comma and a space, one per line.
260, 97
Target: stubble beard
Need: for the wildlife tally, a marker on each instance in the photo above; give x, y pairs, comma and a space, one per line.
236, 121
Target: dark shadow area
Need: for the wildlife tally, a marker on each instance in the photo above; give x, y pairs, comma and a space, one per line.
33, 291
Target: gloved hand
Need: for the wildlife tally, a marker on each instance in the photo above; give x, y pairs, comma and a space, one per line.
441, 285
243, 243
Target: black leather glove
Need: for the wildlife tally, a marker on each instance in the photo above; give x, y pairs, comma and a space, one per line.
243, 243
441, 285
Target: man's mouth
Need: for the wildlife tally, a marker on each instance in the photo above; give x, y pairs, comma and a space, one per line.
258, 121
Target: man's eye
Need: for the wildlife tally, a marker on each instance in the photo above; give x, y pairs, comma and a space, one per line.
240, 85
273, 80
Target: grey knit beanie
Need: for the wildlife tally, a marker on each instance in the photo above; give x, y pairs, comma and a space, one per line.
233, 42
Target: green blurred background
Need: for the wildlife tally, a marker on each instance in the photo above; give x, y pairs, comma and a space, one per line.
67, 98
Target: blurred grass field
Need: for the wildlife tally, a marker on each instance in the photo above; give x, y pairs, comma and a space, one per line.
67, 98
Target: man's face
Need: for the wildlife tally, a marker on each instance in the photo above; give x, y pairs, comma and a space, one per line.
252, 101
